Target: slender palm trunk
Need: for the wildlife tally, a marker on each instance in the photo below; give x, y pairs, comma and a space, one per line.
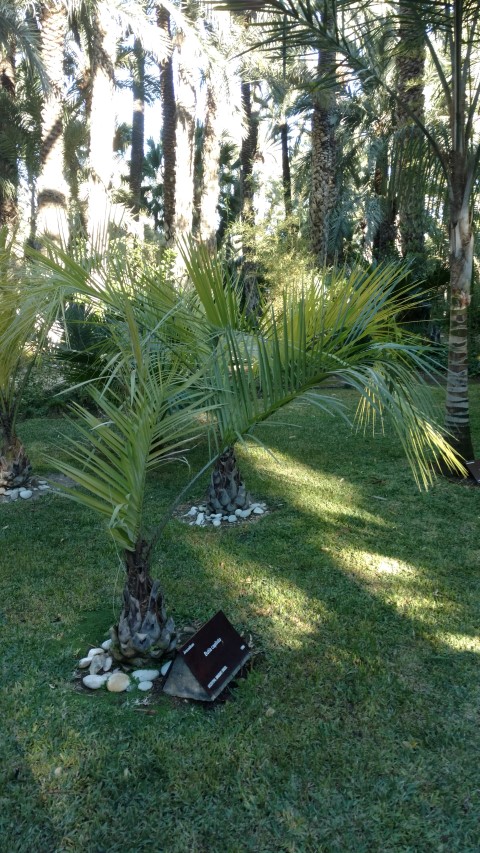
53, 196
384, 235
248, 153
457, 419
167, 92
286, 176
210, 188
102, 120
8, 163
410, 68
138, 128
185, 136
323, 184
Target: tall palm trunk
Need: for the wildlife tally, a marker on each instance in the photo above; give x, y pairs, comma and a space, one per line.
102, 119
410, 68
210, 188
167, 92
185, 136
138, 127
52, 213
323, 185
384, 234
248, 153
286, 176
8, 163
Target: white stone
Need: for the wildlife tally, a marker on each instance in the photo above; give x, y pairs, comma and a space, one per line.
232, 518
107, 645
166, 666
202, 508
145, 674
191, 512
14, 494
217, 515
25, 494
94, 652
258, 510
84, 662
43, 488
42, 483
94, 681
97, 663
118, 682
8, 492
245, 513
200, 519
2, 491
108, 663
145, 685
217, 522
238, 513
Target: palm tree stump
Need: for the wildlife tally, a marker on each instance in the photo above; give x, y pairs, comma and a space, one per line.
227, 491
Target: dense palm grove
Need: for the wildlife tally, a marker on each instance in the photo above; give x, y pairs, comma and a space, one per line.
312, 184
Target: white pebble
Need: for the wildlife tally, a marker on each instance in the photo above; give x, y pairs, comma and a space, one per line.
145, 685
191, 512
94, 681
84, 662
94, 652
44, 488
200, 519
145, 674
232, 518
25, 494
258, 510
246, 513
217, 522
107, 645
238, 513
14, 494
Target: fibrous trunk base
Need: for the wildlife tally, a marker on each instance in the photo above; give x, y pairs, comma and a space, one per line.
227, 491
15, 468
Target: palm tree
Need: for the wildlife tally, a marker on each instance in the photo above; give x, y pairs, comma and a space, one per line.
451, 34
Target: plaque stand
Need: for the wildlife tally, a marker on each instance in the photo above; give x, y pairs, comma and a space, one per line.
474, 470
207, 662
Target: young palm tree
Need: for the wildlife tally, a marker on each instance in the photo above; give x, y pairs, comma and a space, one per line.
175, 359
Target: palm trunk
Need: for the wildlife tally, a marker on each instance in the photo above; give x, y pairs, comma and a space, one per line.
227, 491
138, 128
8, 164
457, 419
168, 134
323, 185
286, 177
410, 68
15, 468
185, 138
52, 212
247, 158
143, 630
210, 188
384, 235
102, 120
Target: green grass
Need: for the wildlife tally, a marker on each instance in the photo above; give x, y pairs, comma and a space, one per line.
358, 728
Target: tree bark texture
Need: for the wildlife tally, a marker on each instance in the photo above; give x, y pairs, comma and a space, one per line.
286, 177
138, 127
323, 163
102, 120
52, 210
227, 491
8, 164
15, 468
185, 136
169, 147
248, 153
143, 631
210, 189
457, 419
410, 71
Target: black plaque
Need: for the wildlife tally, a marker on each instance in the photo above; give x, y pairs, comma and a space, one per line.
474, 470
208, 661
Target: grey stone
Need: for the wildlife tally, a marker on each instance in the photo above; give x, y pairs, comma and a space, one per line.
246, 513
84, 662
258, 510
97, 663
93, 652
2, 491
217, 522
239, 513
145, 685
14, 494
232, 518
43, 488
25, 494
106, 645
200, 519
191, 512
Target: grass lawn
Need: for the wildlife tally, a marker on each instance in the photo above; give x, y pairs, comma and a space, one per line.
358, 728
